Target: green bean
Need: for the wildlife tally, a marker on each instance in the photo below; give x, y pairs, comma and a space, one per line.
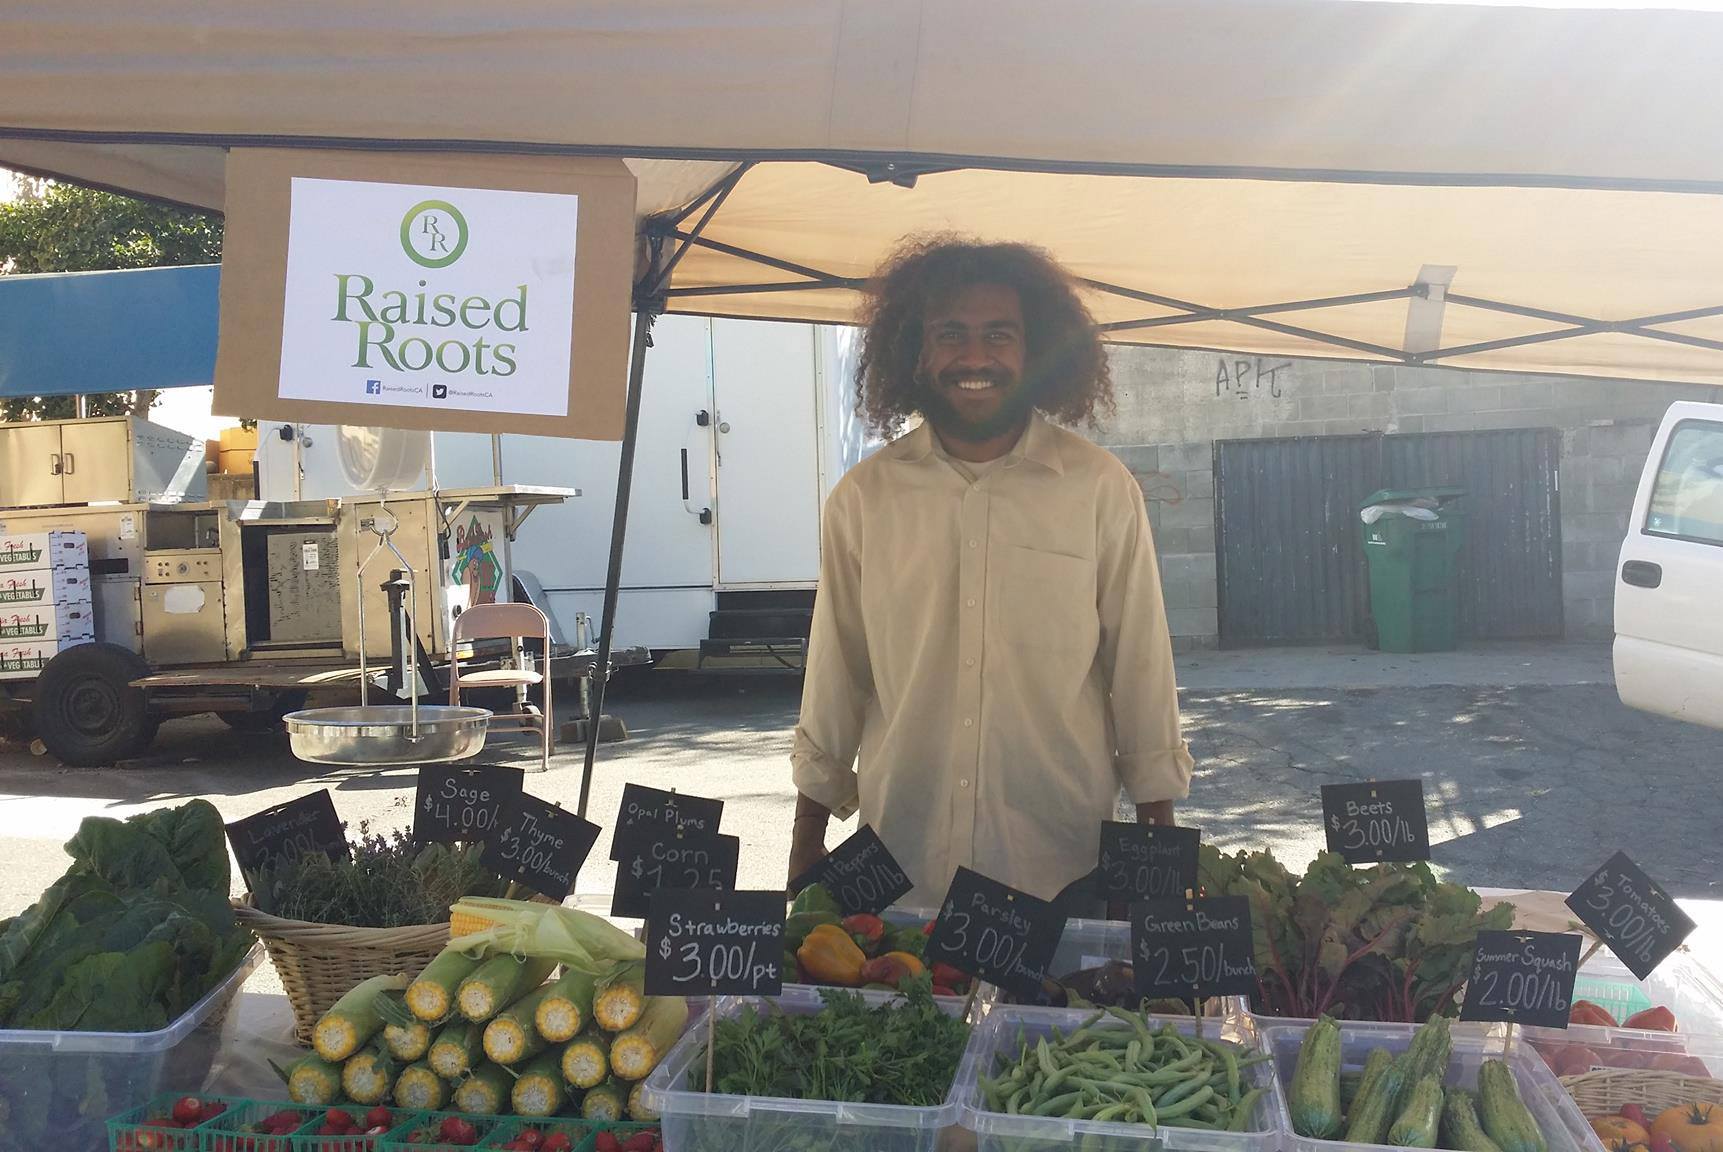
1231, 1073
1111, 1113
1016, 1101
1145, 1105
1187, 1105
1133, 1052
1056, 1104
1246, 1108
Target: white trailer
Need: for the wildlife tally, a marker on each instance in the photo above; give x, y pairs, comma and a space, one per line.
744, 427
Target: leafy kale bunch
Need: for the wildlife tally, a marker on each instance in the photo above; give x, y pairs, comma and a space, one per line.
134, 933
903, 1051
1388, 942
390, 882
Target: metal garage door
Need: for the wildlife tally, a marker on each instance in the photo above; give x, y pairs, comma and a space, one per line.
1291, 568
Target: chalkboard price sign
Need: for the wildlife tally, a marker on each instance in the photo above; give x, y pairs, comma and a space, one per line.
1378, 821
1147, 861
993, 932
860, 873
288, 832
658, 858
1631, 913
1191, 948
540, 845
462, 803
715, 944
1523, 977
644, 807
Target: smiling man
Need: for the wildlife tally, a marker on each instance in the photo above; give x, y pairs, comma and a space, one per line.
989, 633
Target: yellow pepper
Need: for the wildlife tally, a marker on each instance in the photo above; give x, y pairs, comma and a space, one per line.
829, 956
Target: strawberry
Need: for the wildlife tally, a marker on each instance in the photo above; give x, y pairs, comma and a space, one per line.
214, 1108
605, 1141
557, 1142
378, 1115
338, 1117
640, 1142
188, 1108
532, 1137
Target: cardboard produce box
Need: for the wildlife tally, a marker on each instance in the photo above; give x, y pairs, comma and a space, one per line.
43, 586
30, 551
25, 660
71, 621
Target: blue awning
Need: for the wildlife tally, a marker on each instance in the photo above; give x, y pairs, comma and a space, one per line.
64, 334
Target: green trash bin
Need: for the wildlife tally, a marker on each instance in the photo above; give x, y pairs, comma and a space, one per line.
1414, 586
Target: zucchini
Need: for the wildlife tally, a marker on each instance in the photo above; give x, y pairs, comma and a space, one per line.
418, 1089
565, 1011
1461, 1130
604, 1103
512, 1037
1314, 1098
369, 1076
1416, 1125
499, 982
456, 1049
313, 1081
635, 1053
354, 1019
1374, 1065
1504, 1115
431, 997
1432, 1045
638, 1109
586, 1060
1374, 1110
485, 1092
618, 1005
539, 1089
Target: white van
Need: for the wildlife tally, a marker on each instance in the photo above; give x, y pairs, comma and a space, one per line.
1669, 586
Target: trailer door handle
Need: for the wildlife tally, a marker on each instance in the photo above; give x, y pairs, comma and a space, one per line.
1642, 574
704, 515
54, 465
684, 475
69, 463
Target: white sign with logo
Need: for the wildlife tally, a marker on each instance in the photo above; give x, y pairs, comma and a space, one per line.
401, 294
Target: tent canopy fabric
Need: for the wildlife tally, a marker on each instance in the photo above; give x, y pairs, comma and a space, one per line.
1525, 189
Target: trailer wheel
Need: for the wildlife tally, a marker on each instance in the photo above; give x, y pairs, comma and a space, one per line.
86, 710
264, 720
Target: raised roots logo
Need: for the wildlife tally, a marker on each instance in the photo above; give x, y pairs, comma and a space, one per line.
434, 233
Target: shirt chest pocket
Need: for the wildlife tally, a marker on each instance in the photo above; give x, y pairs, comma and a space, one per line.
1043, 600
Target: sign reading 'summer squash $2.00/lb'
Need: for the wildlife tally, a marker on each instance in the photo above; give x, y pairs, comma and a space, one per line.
420, 296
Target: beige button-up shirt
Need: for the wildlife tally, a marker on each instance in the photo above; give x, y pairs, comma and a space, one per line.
996, 649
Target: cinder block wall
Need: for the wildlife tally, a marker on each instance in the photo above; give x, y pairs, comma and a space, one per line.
1173, 406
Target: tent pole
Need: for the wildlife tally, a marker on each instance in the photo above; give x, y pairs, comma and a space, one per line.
647, 305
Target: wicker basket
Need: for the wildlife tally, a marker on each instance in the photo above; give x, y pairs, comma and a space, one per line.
319, 963
1603, 1092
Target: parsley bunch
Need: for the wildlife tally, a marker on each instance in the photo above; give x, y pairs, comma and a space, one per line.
904, 1051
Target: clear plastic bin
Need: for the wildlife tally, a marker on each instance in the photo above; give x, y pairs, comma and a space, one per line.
1680, 983
57, 1089
1564, 1129
693, 1120
998, 1132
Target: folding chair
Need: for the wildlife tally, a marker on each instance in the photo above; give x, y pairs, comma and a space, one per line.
514, 622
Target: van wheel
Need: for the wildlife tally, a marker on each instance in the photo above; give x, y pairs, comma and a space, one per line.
86, 710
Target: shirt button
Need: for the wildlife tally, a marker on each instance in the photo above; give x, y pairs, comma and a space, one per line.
972, 543
970, 602
964, 782
968, 723
969, 663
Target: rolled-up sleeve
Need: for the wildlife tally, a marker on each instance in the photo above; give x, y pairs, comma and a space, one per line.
1151, 757
838, 684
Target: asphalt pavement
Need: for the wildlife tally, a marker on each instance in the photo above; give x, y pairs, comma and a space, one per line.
1531, 781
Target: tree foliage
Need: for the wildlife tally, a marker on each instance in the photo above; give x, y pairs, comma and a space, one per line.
53, 227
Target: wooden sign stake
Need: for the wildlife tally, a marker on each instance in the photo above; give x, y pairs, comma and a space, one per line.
711, 1041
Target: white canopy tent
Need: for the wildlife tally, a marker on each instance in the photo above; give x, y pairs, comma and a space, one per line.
1488, 187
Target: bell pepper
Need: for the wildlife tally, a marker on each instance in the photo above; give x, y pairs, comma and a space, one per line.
867, 931
892, 969
946, 976
1658, 1019
813, 907
829, 956
907, 939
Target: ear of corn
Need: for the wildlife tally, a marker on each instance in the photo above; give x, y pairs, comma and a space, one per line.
313, 1081
499, 982
586, 1059
456, 1049
485, 1092
410, 1043
369, 1075
513, 1036
526, 928
604, 1103
420, 1089
638, 1109
431, 996
619, 1003
567, 1007
539, 1089
354, 1019
635, 1053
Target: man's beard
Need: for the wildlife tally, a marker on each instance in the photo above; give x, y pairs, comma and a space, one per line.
1014, 407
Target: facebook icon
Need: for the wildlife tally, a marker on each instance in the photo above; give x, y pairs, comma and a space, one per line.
373, 387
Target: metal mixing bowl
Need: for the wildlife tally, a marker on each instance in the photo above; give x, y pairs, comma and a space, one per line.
382, 734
